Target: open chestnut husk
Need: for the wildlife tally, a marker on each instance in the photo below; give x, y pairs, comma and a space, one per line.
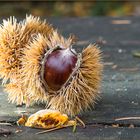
41, 72
65, 80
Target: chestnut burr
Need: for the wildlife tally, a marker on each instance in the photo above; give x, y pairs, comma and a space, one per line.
41, 66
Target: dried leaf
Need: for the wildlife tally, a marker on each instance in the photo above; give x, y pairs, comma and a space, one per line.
50, 120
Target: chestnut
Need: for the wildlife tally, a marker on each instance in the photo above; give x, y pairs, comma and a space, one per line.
58, 66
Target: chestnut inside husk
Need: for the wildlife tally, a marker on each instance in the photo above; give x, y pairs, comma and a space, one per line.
58, 66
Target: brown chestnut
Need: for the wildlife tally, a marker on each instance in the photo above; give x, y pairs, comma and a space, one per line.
58, 66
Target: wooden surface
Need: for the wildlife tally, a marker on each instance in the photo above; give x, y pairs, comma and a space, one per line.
118, 38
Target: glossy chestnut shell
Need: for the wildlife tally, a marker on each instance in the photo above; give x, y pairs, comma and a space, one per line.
58, 66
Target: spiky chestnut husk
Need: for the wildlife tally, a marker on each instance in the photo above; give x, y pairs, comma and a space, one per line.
32, 59
14, 36
81, 90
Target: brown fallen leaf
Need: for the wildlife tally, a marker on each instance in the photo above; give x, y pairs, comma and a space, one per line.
50, 120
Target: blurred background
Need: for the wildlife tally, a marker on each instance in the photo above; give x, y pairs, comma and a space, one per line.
70, 8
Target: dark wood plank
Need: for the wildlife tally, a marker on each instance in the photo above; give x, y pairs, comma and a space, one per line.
89, 133
120, 87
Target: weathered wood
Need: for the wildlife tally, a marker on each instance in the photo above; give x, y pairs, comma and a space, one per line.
4, 132
120, 88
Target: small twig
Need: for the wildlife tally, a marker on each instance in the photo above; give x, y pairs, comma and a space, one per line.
78, 119
129, 69
74, 126
8, 124
49, 130
127, 118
